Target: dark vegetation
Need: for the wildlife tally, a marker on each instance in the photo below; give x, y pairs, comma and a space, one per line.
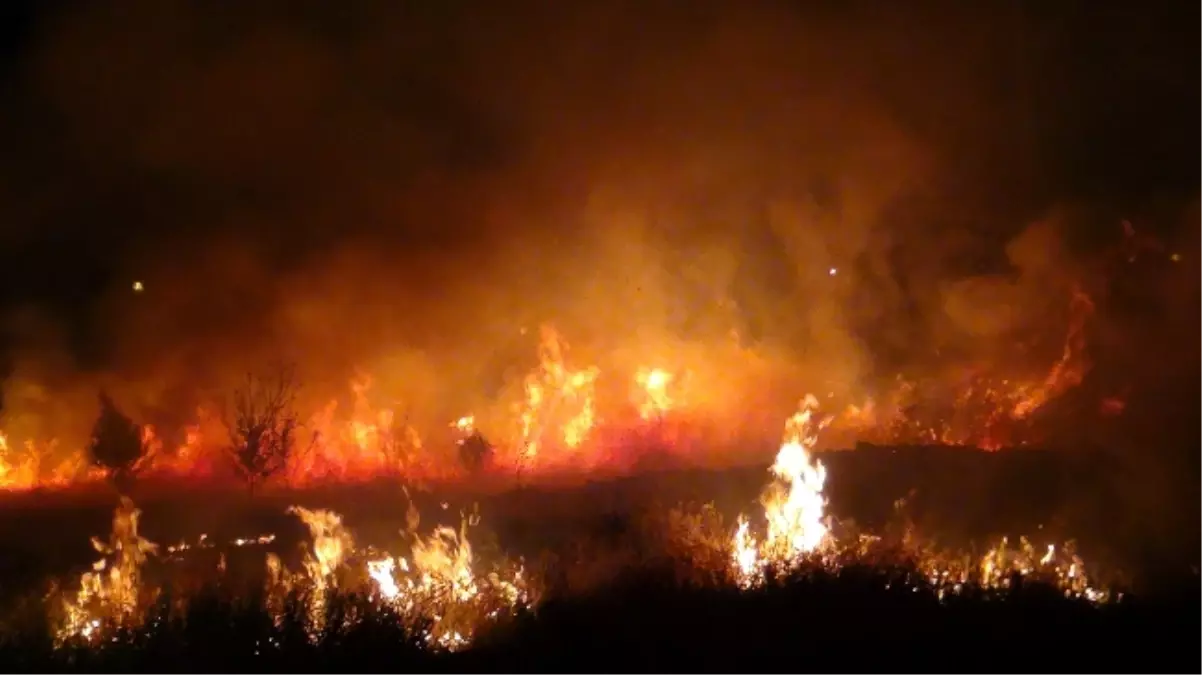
956, 495
628, 617
117, 444
475, 452
859, 619
263, 425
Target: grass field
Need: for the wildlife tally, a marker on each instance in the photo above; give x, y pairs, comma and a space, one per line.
612, 597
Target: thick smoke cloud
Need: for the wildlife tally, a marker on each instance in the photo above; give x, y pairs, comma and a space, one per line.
409, 189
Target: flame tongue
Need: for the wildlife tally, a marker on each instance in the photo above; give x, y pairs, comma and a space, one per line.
111, 593
794, 506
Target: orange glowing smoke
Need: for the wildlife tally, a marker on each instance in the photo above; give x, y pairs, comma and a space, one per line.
372, 443
1073, 364
559, 410
35, 464
656, 399
560, 425
985, 412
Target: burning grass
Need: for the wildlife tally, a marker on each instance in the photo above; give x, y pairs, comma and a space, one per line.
431, 590
564, 416
439, 595
680, 595
671, 590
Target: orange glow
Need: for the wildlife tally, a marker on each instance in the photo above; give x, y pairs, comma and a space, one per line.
656, 399
570, 419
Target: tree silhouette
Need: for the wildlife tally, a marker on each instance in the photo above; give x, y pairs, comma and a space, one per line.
475, 452
262, 425
116, 444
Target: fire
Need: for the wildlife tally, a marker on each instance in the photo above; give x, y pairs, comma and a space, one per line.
437, 583
441, 590
465, 425
979, 414
656, 398
997, 569
331, 545
372, 443
440, 584
798, 531
978, 409
34, 465
110, 595
1073, 364
559, 409
555, 425
794, 506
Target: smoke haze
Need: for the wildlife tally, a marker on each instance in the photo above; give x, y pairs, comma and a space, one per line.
782, 200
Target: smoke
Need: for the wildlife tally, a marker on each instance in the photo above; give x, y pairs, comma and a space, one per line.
409, 190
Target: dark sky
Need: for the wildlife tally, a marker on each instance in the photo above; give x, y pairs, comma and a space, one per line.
467, 148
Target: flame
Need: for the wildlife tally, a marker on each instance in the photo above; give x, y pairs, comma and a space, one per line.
34, 465
986, 411
1074, 361
331, 545
110, 595
1000, 565
465, 425
799, 531
794, 506
440, 590
436, 583
656, 400
372, 443
559, 408
556, 425
440, 585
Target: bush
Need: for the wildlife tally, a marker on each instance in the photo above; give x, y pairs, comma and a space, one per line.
116, 444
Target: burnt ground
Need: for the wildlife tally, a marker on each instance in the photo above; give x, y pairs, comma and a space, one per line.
1122, 519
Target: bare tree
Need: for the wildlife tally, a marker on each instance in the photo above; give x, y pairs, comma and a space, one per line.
262, 425
117, 444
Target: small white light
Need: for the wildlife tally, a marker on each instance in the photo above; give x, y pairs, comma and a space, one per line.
833, 271
138, 287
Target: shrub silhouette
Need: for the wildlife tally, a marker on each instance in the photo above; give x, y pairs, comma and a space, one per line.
475, 452
262, 425
116, 444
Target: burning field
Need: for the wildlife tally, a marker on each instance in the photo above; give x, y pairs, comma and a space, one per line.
565, 336
433, 587
564, 418
356, 527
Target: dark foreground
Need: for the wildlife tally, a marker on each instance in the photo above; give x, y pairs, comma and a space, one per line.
855, 621
862, 620
1123, 517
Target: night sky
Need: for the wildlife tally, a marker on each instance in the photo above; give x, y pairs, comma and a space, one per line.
228, 146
